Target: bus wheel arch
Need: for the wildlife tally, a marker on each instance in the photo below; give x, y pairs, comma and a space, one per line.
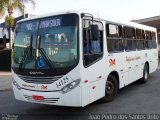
111, 87
114, 73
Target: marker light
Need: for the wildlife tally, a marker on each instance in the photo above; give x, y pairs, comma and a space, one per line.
70, 86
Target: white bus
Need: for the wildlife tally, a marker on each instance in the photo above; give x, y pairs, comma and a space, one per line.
74, 58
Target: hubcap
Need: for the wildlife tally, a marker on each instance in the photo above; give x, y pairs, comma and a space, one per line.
109, 88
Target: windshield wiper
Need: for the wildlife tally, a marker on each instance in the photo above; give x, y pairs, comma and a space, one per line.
26, 52
45, 56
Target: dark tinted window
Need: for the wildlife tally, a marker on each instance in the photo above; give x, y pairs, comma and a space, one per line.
129, 38
148, 44
114, 30
114, 38
147, 35
140, 39
150, 40
154, 44
139, 34
115, 45
129, 32
92, 49
140, 44
153, 36
130, 45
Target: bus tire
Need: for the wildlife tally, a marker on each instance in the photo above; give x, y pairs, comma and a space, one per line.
111, 89
145, 74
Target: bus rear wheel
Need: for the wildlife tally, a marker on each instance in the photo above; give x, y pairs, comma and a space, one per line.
111, 89
145, 74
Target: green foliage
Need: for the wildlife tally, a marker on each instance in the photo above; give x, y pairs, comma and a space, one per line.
2, 10
9, 6
9, 21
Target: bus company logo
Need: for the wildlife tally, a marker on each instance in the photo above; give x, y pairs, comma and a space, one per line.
129, 59
112, 62
44, 87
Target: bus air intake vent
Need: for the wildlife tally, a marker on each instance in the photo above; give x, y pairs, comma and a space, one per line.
40, 80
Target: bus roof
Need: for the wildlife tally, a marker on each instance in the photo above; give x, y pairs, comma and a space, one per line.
97, 16
50, 14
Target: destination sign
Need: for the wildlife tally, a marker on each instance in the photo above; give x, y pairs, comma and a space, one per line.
56, 22
50, 23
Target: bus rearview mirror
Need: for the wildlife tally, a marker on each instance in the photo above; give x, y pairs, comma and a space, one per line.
94, 32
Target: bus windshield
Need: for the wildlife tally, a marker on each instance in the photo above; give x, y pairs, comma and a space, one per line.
46, 46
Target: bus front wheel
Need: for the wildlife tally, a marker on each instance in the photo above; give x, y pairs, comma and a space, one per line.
111, 89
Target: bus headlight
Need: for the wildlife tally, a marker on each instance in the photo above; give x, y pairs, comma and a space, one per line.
70, 86
16, 84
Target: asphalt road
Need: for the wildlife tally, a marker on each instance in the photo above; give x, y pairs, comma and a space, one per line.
133, 99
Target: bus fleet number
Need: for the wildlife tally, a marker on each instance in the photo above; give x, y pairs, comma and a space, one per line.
62, 82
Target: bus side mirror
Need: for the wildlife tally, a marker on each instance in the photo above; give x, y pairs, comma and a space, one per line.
95, 43
94, 32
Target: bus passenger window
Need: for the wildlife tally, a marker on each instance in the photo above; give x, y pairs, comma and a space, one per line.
140, 34
129, 32
129, 38
140, 39
147, 35
148, 39
114, 38
154, 44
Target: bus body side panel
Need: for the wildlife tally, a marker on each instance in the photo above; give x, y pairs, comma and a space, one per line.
117, 63
140, 60
93, 82
152, 59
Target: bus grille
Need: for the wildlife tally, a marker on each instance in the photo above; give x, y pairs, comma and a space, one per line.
46, 100
40, 80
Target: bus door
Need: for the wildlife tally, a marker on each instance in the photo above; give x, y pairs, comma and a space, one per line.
93, 69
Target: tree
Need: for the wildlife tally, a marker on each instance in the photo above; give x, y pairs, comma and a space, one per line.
7, 7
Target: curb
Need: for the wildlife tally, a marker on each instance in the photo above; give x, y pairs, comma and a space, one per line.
5, 73
7, 89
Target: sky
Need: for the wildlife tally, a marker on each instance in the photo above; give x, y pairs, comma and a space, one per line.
119, 9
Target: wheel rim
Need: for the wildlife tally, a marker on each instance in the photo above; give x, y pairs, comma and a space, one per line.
109, 88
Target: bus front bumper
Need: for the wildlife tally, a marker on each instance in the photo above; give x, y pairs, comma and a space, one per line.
72, 98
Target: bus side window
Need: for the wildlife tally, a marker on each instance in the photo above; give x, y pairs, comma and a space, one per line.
129, 38
114, 38
148, 39
154, 44
92, 48
140, 39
